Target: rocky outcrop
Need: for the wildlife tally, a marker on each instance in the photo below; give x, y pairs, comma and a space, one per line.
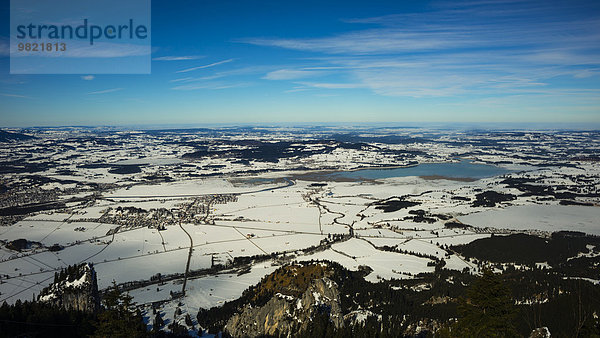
285, 315
74, 289
541, 332
359, 317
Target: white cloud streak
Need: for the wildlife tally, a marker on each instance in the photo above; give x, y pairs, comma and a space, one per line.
112, 90
15, 95
291, 74
211, 85
205, 66
177, 58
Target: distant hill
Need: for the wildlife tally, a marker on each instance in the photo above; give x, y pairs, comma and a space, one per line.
7, 136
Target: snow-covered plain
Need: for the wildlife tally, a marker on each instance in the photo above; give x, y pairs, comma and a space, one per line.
238, 209
541, 217
269, 218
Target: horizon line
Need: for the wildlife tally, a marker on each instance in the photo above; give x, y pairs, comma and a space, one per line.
579, 126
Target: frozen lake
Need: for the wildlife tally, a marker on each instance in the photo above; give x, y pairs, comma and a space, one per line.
462, 169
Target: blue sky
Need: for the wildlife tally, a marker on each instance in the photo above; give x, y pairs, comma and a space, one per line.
335, 61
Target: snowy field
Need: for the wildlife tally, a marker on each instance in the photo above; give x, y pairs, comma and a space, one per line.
268, 218
541, 217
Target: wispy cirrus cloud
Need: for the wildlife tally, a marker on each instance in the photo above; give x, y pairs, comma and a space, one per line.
211, 85
198, 78
205, 66
297, 89
331, 85
464, 48
105, 91
183, 79
291, 74
231, 78
374, 41
15, 95
177, 58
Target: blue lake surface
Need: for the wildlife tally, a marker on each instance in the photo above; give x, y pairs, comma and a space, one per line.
462, 169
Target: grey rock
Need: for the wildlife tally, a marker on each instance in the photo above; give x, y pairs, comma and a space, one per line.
540, 332
80, 294
285, 315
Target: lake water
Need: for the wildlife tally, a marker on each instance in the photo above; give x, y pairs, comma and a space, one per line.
462, 169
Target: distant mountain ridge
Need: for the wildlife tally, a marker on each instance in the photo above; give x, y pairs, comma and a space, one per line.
8, 136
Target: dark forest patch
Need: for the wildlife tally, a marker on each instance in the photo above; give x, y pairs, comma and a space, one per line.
394, 204
20, 166
456, 225
420, 216
125, 169
22, 244
527, 249
7, 136
569, 202
490, 198
30, 208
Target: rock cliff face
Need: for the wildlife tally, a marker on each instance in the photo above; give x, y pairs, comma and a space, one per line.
284, 315
74, 289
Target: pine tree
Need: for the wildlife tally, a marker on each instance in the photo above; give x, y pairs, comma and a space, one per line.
119, 318
487, 310
178, 330
188, 320
158, 323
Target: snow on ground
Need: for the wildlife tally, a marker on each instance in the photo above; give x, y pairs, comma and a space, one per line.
411, 245
30, 230
287, 243
57, 217
215, 290
379, 232
235, 248
248, 226
140, 268
264, 220
24, 287
459, 239
182, 188
205, 233
6, 253
204, 292
283, 209
385, 188
386, 265
541, 217
280, 211
456, 263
